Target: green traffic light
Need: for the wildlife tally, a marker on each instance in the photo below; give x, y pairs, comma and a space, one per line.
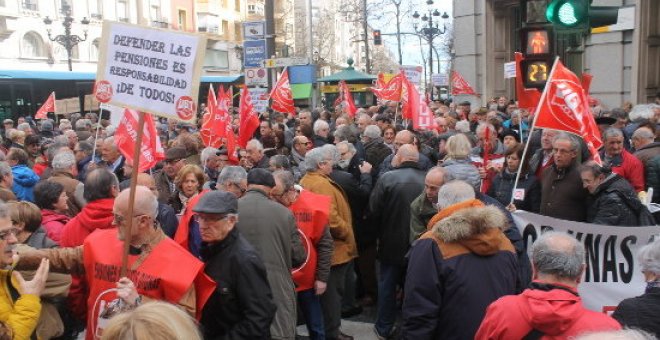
567, 14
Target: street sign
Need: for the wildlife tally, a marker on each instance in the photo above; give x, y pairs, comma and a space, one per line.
259, 97
254, 30
284, 62
510, 70
254, 52
256, 76
440, 79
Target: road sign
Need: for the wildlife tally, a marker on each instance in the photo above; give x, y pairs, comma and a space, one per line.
254, 53
440, 79
256, 76
254, 30
510, 70
259, 98
284, 62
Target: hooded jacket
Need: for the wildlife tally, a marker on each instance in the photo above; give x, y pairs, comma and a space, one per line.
455, 271
53, 223
557, 313
95, 215
614, 202
24, 181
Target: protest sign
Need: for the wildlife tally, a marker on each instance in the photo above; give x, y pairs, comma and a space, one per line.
259, 98
612, 271
413, 73
150, 70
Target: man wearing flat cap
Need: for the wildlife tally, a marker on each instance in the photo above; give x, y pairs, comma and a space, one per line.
175, 159
241, 306
271, 229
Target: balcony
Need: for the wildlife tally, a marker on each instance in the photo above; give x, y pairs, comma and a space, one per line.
160, 23
215, 30
96, 16
123, 19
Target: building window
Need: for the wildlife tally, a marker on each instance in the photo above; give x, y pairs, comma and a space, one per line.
121, 11
207, 23
32, 46
30, 5
237, 5
216, 59
96, 9
238, 32
154, 12
225, 27
2, 3
182, 20
94, 50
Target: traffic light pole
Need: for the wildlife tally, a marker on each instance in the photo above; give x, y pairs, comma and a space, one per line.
365, 27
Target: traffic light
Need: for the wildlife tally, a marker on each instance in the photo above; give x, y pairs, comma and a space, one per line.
377, 38
569, 15
538, 51
535, 72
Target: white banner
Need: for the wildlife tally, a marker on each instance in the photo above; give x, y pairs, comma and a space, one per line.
612, 271
150, 70
413, 73
510, 70
259, 96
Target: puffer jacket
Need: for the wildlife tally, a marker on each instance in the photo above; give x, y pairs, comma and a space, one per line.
640, 312
612, 203
95, 215
464, 170
653, 177
24, 181
502, 188
20, 315
454, 272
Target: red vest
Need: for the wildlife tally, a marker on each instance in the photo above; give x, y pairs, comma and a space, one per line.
166, 274
311, 212
182, 231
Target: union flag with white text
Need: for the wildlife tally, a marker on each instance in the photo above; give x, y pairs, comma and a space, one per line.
151, 151
460, 86
282, 96
249, 119
48, 106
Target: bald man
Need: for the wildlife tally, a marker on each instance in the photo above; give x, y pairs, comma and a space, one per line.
422, 209
404, 137
389, 206
162, 270
166, 214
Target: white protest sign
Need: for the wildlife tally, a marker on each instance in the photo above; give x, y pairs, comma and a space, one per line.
259, 98
150, 70
413, 73
510, 70
612, 271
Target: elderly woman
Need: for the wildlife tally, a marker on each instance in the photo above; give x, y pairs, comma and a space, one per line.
457, 161
189, 181
642, 312
51, 198
26, 218
17, 138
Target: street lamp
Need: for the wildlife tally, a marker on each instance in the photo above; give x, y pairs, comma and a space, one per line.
67, 39
430, 31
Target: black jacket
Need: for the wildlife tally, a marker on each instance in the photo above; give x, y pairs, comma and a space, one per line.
424, 163
376, 151
502, 188
357, 193
241, 307
389, 204
640, 312
612, 203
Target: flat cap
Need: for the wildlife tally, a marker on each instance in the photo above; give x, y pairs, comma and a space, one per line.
605, 120
217, 202
260, 176
465, 102
46, 126
175, 153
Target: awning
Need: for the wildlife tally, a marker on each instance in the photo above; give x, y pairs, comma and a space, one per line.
301, 91
73, 75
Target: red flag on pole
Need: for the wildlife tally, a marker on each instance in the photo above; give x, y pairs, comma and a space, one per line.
282, 96
48, 106
408, 100
209, 130
460, 86
564, 106
151, 150
390, 90
249, 120
347, 99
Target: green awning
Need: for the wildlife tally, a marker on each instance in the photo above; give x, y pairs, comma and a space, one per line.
301, 91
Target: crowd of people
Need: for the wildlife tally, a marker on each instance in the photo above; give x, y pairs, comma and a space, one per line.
320, 215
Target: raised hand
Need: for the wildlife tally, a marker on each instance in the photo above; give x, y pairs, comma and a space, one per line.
38, 282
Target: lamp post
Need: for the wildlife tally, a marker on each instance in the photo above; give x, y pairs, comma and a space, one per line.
429, 32
67, 39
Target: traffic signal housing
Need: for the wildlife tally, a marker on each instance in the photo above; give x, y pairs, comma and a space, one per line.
577, 15
538, 52
378, 40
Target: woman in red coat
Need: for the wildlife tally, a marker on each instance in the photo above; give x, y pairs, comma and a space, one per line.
51, 198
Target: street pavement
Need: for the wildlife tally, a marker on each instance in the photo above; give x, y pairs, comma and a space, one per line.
361, 327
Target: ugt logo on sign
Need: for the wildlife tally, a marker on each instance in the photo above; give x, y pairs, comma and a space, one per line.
185, 108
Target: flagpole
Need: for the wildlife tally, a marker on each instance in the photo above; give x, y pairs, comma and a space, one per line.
531, 129
96, 136
131, 197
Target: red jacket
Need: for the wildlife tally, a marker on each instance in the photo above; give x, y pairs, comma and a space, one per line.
95, 215
54, 224
630, 168
557, 313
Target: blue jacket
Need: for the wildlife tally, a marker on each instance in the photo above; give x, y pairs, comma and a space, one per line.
24, 181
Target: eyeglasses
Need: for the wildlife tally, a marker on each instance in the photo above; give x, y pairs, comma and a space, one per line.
5, 233
209, 218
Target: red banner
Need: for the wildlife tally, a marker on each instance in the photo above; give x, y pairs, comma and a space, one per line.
48, 106
390, 90
211, 130
346, 99
282, 96
564, 106
418, 109
126, 136
249, 119
460, 86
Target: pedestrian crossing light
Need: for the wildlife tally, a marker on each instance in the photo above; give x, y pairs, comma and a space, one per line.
377, 38
579, 14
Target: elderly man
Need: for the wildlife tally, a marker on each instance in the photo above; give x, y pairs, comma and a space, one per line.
210, 159
265, 128
551, 306
64, 172
271, 229
112, 158
620, 160
319, 163
363, 121
562, 194
161, 269
403, 137
321, 133
83, 152
456, 269
233, 179
311, 212
648, 152
305, 117
299, 149
375, 149
422, 209
175, 159
6, 183
255, 154
543, 158
233, 263
390, 205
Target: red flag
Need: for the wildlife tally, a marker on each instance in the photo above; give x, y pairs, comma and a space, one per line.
347, 99
408, 100
211, 132
564, 106
528, 99
282, 96
390, 90
48, 106
126, 136
460, 86
249, 120
422, 116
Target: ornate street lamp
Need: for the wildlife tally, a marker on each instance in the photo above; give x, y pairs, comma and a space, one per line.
68, 40
430, 31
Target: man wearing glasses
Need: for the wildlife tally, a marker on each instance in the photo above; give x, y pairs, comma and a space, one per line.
175, 159
242, 304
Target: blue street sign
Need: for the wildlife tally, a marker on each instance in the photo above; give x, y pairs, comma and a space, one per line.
254, 53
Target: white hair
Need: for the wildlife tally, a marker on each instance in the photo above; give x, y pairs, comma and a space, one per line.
372, 131
649, 257
64, 160
641, 111
454, 192
319, 125
207, 153
255, 143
